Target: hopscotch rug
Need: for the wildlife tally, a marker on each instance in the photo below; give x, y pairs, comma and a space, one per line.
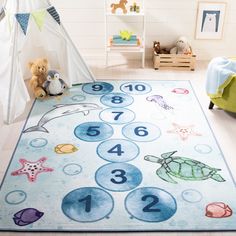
118, 156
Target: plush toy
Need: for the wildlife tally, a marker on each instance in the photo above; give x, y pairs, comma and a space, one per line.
135, 8
54, 85
182, 47
125, 35
158, 50
121, 5
39, 69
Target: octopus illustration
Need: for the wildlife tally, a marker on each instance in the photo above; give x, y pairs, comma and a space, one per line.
160, 101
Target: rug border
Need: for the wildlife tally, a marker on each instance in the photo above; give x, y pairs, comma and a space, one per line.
117, 231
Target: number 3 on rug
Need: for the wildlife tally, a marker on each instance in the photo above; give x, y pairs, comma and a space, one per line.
118, 177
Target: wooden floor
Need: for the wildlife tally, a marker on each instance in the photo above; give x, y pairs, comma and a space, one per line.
222, 123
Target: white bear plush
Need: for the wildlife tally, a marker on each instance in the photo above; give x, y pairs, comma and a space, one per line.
182, 47
209, 24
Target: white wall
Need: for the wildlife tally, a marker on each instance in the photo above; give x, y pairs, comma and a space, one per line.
166, 20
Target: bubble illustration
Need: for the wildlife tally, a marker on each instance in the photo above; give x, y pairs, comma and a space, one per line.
15, 197
38, 142
72, 169
203, 148
191, 195
78, 98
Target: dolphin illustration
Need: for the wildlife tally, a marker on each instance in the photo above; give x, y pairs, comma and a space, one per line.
62, 110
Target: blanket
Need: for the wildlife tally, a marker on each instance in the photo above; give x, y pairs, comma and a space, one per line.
220, 73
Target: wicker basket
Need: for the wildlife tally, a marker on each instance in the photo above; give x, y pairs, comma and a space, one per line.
174, 61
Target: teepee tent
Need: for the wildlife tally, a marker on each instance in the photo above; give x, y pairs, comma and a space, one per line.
31, 29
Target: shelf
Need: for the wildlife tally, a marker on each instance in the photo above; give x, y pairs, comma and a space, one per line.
121, 47
128, 14
125, 49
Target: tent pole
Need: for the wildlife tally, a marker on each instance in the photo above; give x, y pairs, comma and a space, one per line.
74, 47
9, 118
4, 4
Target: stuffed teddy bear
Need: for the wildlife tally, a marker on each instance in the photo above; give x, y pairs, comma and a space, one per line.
54, 85
39, 69
158, 50
182, 47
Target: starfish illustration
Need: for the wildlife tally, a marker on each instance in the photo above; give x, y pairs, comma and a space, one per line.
32, 169
184, 131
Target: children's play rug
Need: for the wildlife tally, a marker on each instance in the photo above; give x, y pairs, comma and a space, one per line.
118, 156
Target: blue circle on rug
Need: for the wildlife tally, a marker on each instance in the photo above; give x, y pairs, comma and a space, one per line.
72, 169
117, 100
150, 204
136, 88
118, 177
87, 204
15, 197
38, 142
78, 98
93, 131
141, 131
191, 195
98, 88
117, 115
118, 150
203, 148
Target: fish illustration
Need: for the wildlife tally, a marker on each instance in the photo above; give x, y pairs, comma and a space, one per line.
62, 110
65, 148
218, 210
180, 91
27, 216
160, 101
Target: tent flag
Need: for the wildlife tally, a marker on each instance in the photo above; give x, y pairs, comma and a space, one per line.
39, 17
2, 14
23, 20
53, 12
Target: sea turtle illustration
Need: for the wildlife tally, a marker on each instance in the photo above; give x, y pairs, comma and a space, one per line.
183, 168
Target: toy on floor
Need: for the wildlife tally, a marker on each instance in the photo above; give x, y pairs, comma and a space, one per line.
39, 69
54, 85
158, 50
182, 47
121, 5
